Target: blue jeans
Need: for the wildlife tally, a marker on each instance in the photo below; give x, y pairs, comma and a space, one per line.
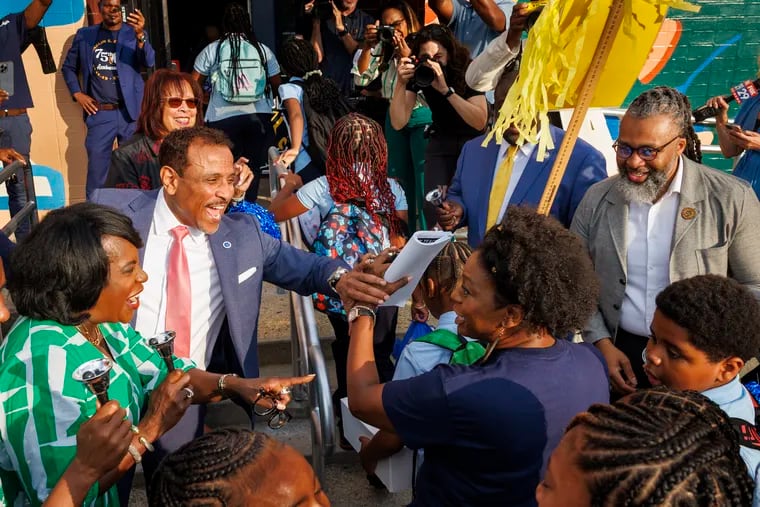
17, 134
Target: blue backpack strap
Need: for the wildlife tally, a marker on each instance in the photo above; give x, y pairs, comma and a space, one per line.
463, 351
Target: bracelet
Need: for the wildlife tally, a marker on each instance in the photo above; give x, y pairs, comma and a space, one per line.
144, 441
132, 450
359, 311
141, 438
220, 385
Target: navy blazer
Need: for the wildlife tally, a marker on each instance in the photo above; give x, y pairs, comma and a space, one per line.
130, 60
245, 257
471, 186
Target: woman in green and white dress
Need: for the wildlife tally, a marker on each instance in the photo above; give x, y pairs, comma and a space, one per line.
76, 284
406, 147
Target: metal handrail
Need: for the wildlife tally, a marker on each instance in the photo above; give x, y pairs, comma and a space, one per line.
29, 211
305, 346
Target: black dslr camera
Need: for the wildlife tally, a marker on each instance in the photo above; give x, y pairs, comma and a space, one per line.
385, 33
423, 75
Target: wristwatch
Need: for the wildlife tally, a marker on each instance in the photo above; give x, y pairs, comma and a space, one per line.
449, 93
342, 33
141, 38
360, 311
335, 277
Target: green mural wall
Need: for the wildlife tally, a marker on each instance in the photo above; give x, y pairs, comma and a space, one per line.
718, 48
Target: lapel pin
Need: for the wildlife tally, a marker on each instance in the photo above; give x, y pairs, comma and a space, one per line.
227, 244
688, 213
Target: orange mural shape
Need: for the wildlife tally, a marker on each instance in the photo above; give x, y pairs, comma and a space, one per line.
430, 16
664, 45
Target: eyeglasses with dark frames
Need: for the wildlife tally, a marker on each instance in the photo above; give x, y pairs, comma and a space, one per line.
646, 153
278, 418
176, 102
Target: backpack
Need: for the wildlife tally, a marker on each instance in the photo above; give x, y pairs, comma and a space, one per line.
463, 351
320, 124
748, 434
347, 232
251, 75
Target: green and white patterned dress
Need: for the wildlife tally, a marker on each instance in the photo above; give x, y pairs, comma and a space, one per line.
43, 406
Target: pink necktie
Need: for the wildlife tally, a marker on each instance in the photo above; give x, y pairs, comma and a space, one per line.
178, 293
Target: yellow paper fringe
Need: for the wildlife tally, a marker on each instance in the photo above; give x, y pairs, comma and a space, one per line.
550, 65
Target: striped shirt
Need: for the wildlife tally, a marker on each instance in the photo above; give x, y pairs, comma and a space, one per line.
43, 406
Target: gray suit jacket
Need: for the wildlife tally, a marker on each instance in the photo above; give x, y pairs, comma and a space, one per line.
716, 232
245, 257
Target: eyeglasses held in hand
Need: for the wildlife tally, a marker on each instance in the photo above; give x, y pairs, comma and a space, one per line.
646, 153
278, 418
175, 102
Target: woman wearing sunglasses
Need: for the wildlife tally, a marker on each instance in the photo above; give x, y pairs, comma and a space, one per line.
170, 103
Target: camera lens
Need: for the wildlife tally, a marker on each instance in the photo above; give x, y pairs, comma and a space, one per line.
423, 75
386, 33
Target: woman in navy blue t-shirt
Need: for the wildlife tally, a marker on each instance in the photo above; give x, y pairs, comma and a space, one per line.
489, 429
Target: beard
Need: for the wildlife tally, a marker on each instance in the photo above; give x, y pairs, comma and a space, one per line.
645, 192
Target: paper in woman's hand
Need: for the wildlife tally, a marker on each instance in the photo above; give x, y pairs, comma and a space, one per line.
412, 261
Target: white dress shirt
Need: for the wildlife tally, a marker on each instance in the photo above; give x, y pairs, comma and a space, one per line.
484, 72
207, 304
522, 156
649, 236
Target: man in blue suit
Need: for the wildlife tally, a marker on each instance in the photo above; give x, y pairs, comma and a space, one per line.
15, 127
469, 195
228, 257
109, 58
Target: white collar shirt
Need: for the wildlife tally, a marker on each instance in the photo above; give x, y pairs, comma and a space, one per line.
648, 240
207, 303
522, 157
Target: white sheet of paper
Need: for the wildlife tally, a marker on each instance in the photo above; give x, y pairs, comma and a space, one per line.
412, 261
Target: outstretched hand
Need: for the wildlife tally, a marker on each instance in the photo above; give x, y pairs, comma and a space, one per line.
365, 284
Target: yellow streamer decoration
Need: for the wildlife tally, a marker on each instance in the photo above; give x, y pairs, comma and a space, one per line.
558, 53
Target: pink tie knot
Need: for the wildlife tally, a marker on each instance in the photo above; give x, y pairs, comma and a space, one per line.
180, 232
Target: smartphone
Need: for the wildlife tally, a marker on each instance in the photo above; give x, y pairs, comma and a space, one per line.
127, 7
6, 77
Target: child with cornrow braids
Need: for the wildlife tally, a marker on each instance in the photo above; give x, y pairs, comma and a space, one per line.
235, 466
247, 124
356, 189
652, 448
306, 82
704, 330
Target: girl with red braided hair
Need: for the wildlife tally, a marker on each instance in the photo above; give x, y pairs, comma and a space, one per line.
361, 211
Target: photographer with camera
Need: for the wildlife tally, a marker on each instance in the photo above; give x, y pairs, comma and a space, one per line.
337, 31
385, 44
436, 74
